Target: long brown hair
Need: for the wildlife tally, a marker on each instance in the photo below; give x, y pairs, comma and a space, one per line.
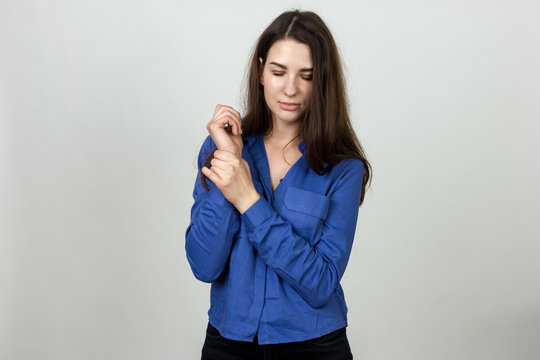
326, 126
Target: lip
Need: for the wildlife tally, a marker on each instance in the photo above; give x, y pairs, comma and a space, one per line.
289, 106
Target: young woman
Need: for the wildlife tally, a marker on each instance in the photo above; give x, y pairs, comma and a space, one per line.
276, 203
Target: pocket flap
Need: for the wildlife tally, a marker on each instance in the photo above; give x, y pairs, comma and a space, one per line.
307, 202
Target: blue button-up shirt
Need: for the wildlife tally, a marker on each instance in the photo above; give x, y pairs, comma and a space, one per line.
276, 269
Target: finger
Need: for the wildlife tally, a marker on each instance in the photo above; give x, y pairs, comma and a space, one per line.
219, 163
235, 119
228, 123
212, 175
222, 119
226, 156
221, 124
221, 107
222, 174
219, 121
217, 108
237, 126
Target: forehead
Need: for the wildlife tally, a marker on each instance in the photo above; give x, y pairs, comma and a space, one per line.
290, 53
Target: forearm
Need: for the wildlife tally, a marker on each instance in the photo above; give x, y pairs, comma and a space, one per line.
209, 237
314, 272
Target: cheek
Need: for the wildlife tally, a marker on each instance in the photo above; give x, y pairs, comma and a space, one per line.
272, 84
267, 92
271, 88
307, 91
268, 96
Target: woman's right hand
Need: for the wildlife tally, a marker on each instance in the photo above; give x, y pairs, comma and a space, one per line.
225, 128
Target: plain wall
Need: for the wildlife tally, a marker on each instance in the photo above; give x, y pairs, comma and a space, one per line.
103, 107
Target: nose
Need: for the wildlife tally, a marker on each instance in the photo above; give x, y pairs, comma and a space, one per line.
290, 86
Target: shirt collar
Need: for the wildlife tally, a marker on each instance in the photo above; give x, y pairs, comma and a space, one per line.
302, 146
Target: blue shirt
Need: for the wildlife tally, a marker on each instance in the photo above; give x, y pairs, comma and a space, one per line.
276, 269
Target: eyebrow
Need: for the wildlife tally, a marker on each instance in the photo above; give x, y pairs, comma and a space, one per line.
285, 68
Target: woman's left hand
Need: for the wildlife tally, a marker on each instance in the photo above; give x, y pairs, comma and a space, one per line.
232, 176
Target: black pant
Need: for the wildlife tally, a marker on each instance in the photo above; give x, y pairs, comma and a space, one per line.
332, 346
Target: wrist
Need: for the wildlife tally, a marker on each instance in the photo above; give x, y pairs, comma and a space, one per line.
247, 201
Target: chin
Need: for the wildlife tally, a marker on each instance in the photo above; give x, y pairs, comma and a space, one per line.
288, 116
289, 119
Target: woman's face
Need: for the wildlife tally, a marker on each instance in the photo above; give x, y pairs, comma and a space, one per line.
286, 78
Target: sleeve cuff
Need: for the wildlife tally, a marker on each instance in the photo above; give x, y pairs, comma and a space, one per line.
257, 213
217, 197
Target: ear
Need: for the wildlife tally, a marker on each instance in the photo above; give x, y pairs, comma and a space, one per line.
261, 68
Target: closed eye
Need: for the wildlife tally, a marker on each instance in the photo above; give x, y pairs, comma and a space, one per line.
307, 78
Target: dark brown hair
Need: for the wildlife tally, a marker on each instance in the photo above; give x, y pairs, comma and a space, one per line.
326, 126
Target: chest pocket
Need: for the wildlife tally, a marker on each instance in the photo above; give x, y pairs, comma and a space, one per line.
306, 212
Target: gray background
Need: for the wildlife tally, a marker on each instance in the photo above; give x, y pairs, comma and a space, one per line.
103, 106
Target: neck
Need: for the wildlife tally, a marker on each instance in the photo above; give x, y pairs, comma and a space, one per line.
282, 133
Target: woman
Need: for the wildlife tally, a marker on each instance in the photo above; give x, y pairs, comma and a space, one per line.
276, 203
